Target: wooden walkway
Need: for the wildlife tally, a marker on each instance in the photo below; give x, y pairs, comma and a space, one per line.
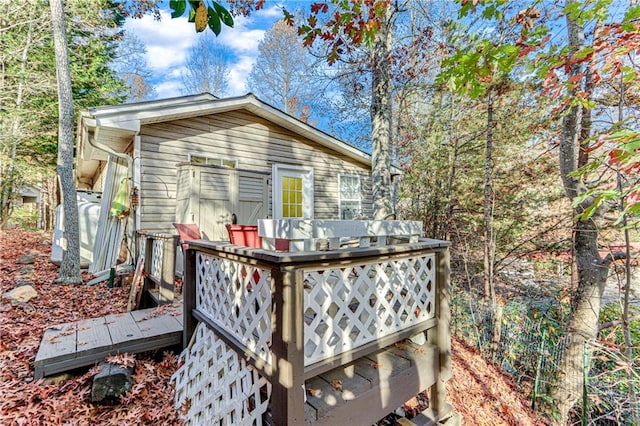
82, 343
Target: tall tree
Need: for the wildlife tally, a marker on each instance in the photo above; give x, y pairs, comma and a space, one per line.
283, 73
131, 65
69, 272
571, 77
381, 109
207, 68
347, 26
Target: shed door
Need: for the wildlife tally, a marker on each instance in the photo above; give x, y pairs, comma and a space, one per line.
208, 196
252, 197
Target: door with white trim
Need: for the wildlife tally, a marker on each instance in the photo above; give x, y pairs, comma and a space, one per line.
292, 192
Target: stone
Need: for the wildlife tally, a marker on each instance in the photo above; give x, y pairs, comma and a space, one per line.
22, 281
26, 259
26, 270
111, 382
21, 294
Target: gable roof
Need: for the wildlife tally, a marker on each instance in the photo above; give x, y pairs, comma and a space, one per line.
115, 126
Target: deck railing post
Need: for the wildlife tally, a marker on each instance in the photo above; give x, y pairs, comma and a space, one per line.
148, 260
167, 281
189, 295
287, 395
440, 336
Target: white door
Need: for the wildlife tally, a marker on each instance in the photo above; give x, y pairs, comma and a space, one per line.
292, 192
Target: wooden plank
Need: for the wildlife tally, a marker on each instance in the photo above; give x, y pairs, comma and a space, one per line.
89, 341
123, 328
397, 382
92, 336
334, 388
151, 326
57, 342
380, 366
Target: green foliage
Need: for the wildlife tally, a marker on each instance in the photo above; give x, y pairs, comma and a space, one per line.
612, 312
29, 96
208, 11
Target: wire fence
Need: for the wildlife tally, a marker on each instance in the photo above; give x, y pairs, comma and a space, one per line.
527, 341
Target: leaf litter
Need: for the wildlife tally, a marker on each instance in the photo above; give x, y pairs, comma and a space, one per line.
479, 391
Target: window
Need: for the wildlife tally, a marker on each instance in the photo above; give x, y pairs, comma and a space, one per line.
212, 160
350, 202
291, 196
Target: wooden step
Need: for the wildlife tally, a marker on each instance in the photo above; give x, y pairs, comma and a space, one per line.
368, 389
83, 343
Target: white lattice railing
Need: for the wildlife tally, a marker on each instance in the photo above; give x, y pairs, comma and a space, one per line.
216, 386
348, 307
237, 297
341, 304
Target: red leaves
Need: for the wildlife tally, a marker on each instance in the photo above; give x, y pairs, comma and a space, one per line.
319, 8
29, 402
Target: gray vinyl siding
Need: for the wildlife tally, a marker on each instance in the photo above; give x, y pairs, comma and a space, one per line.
256, 143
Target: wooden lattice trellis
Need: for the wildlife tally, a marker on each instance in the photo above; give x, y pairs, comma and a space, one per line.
156, 259
349, 307
216, 386
238, 298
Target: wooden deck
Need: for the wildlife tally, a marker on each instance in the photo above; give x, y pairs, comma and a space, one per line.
82, 343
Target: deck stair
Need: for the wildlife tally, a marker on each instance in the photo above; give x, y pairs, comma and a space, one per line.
82, 343
375, 384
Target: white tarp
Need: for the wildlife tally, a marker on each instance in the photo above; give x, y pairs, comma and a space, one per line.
88, 214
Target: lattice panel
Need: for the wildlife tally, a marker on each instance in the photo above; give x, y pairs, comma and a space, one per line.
157, 250
349, 307
238, 297
216, 387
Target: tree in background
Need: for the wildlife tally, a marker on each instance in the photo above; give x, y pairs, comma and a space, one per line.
207, 68
131, 65
571, 76
28, 117
284, 72
28, 112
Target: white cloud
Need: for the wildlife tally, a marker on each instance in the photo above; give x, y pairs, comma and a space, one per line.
238, 74
168, 42
169, 89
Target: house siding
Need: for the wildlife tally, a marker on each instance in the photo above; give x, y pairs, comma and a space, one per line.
256, 143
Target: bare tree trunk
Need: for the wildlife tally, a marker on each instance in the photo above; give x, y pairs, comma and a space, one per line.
592, 271
381, 102
489, 250
69, 272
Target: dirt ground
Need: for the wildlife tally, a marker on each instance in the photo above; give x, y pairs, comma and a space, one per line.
481, 393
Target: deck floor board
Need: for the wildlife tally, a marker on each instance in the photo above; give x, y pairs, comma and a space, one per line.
83, 343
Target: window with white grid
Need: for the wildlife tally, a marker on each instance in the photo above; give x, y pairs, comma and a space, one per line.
350, 196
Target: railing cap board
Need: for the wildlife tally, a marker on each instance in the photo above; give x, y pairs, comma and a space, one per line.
157, 234
313, 256
296, 229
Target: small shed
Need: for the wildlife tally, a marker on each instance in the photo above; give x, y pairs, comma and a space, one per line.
200, 159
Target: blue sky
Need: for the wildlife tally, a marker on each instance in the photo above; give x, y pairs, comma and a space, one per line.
168, 42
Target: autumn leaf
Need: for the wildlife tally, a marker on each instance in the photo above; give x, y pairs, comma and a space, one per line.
314, 392
336, 385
